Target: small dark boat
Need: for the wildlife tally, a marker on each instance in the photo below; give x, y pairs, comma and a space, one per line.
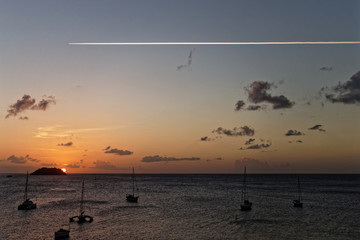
132, 197
82, 218
27, 204
9, 176
62, 234
245, 203
298, 202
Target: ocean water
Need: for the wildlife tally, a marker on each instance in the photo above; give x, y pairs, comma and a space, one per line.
189, 206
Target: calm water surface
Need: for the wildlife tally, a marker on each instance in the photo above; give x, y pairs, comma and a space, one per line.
183, 207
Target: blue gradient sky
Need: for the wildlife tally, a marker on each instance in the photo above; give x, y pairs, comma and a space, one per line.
134, 98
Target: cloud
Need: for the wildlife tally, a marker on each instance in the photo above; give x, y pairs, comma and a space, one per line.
107, 148
28, 103
180, 67
294, 133
21, 160
206, 139
73, 166
254, 165
68, 144
241, 131
239, 105
248, 142
103, 165
346, 93
49, 164
299, 141
59, 131
257, 146
23, 118
254, 107
317, 127
326, 69
257, 93
157, 158
119, 152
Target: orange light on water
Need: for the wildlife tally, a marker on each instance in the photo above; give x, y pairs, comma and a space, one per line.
64, 170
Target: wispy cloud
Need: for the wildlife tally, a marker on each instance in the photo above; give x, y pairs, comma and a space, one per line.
118, 151
294, 133
180, 67
257, 93
73, 165
68, 144
206, 139
326, 69
157, 158
317, 127
59, 131
248, 142
21, 160
346, 93
241, 131
104, 165
23, 118
28, 103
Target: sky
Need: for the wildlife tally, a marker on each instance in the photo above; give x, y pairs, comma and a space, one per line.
179, 108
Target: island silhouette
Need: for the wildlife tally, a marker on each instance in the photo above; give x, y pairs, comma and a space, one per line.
48, 171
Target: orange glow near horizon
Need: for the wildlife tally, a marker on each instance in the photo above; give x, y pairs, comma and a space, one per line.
64, 170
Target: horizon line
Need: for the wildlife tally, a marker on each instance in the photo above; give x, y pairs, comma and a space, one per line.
214, 43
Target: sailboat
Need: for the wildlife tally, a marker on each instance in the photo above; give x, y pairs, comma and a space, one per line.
27, 204
132, 197
245, 203
62, 234
298, 202
81, 218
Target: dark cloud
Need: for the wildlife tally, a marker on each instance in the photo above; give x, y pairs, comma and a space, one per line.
23, 118
73, 166
294, 133
218, 158
248, 142
257, 93
239, 105
254, 165
44, 103
241, 131
104, 165
28, 103
119, 152
317, 127
254, 107
158, 158
49, 164
257, 146
326, 69
347, 93
68, 144
206, 139
189, 61
299, 141
21, 160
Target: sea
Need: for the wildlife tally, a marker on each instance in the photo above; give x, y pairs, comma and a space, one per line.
183, 206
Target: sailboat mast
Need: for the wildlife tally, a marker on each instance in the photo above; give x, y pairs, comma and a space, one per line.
82, 198
26, 185
243, 193
133, 180
299, 190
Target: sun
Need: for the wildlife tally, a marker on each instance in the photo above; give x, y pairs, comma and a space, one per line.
64, 170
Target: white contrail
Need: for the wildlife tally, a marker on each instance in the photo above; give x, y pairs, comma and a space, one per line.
213, 43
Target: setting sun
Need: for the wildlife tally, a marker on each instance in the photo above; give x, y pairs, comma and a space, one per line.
64, 170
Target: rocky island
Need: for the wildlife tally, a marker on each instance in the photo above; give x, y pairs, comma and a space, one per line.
48, 171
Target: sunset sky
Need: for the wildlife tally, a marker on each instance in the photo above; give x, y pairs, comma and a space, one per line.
179, 108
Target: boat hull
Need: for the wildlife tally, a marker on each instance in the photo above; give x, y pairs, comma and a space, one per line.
246, 206
62, 234
132, 198
297, 204
27, 205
